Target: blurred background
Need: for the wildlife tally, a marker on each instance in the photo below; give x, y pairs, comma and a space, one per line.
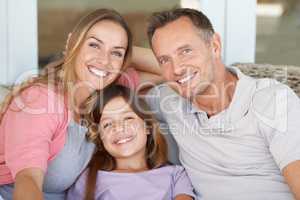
277, 25
56, 19
34, 32
278, 32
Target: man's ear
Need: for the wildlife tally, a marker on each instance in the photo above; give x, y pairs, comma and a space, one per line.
217, 45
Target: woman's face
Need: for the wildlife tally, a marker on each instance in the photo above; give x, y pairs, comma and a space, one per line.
123, 132
101, 55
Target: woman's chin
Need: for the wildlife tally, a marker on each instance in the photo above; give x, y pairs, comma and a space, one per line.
100, 84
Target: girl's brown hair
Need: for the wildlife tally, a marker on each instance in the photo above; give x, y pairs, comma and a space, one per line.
156, 146
60, 75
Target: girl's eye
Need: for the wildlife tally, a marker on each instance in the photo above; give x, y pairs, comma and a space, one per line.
107, 125
117, 53
128, 118
94, 45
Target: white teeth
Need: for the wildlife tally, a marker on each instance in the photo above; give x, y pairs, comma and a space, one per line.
187, 78
98, 72
124, 140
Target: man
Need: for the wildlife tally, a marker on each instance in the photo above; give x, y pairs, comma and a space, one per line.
238, 137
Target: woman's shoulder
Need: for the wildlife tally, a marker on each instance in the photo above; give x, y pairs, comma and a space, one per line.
41, 96
41, 90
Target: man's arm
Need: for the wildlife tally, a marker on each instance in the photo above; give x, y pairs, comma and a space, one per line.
291, 174
28, 184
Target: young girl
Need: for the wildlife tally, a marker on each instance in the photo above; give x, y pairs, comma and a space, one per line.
131, 159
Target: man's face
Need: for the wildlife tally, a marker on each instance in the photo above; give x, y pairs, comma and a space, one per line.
187, 61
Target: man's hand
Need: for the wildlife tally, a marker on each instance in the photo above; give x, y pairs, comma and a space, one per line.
292, 176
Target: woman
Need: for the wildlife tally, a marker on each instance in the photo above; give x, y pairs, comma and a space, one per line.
43, 146
131, 158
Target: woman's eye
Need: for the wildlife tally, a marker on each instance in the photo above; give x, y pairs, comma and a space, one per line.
117, 53
94, 45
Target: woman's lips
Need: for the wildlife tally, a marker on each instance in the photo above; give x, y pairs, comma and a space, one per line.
97, 72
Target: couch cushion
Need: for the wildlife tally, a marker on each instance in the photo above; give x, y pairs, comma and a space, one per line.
289, 75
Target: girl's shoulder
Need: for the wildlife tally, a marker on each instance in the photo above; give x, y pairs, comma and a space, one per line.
172, 167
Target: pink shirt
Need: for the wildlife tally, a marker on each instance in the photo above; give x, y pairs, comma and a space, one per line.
33, 130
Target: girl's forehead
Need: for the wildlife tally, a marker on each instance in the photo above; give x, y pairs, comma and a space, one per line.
116, 106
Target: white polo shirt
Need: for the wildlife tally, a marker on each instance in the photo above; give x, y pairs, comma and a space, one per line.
240, 152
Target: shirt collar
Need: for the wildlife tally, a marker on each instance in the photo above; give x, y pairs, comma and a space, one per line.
241, 100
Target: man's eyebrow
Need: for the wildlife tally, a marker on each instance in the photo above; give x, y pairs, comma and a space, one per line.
182, 47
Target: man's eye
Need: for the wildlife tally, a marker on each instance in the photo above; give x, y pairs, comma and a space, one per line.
94, 45
186, 51
163, 61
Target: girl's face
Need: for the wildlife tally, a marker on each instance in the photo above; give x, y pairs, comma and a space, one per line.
123, 132
101, 55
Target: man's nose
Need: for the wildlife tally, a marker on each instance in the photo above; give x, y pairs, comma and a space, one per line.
178, 68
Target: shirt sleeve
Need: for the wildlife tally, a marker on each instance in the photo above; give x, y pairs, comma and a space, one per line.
182, 183
279, 120
154, 99
129, 78
30, 123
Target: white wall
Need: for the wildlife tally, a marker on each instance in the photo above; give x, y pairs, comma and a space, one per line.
18, 39
235, 20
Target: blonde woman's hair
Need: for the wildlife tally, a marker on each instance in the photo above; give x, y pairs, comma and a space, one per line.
60, 75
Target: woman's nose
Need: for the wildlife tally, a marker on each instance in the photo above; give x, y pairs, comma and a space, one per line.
103, 58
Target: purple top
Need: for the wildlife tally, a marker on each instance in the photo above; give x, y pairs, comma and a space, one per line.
163, 183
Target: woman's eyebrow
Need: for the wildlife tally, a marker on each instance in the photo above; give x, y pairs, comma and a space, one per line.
95, 38
120, 47
100, 41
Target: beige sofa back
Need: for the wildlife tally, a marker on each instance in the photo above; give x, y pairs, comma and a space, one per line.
289, 75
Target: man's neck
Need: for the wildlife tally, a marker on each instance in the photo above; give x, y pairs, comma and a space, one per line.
218, 96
